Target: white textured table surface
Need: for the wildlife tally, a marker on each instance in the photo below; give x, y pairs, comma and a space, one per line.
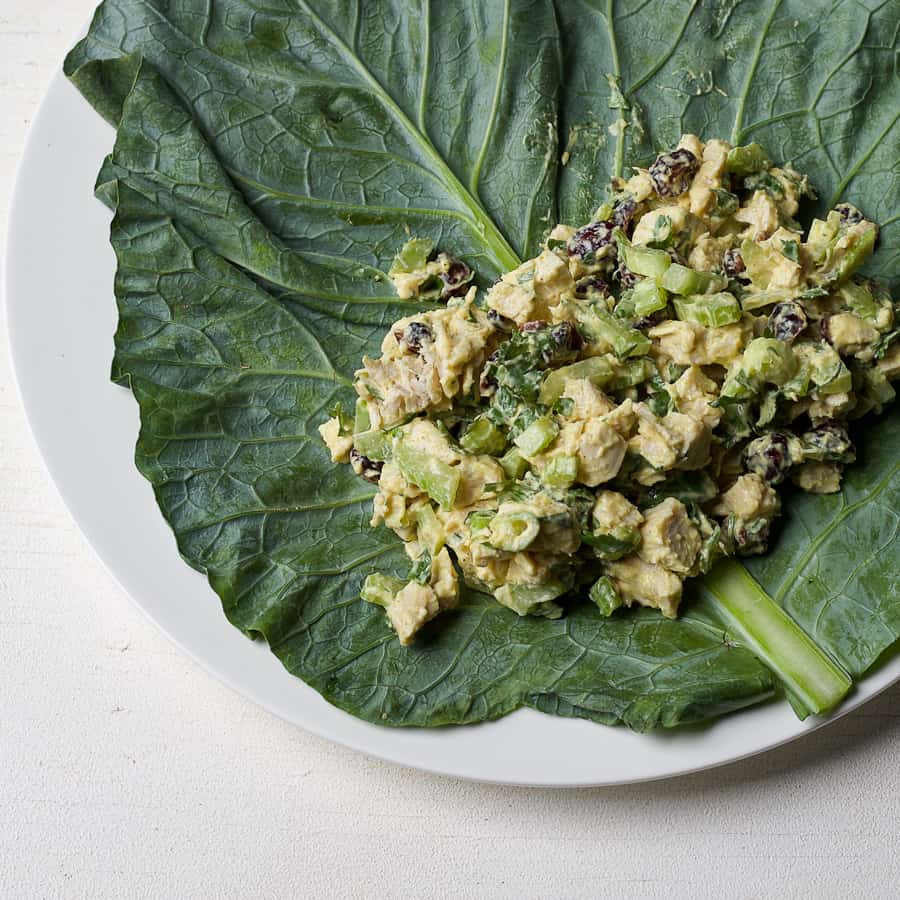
126, 771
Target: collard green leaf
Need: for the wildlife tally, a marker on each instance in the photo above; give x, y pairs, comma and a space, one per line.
270, 160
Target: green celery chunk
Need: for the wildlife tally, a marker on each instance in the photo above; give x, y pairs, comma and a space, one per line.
482, 436
746, 160
413, 256
642, 260
597, 369
606, 328
381, 589
680, 279
438, 479
538, 435
362, 422
605, 596
514, 464
375, 444
631, 372
531, 599
809, 674
648, 297
560, 472
514, 531
709, 310
859, 300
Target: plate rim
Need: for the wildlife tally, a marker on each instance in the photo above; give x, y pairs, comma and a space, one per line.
884, 677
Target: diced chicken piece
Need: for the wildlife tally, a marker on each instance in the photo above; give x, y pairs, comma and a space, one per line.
709, 251
474, 473
646, 584
588, 401
760, 216
444, 580
669, 538
686, 343
532, 290
561, 232
674, 441
552, 279
445, 361
597, 446
818, 478
612, 510
339, 445
708, 177
852, 336
694, 394
785, 274
748, 498
414, 605
692, 144
393, 500
622, 419
831, 406
679, 218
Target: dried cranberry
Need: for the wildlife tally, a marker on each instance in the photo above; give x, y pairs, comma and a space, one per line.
415, 334
849, 214
456, 279
786, 321
733, 263
566, 336
369, 469
592, 285
588, 240
533, 326
673, 172
769, 456
623, 212
626, 277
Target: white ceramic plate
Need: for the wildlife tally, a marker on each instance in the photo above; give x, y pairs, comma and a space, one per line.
61, 316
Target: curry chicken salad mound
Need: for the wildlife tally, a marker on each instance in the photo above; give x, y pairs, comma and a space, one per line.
614, 415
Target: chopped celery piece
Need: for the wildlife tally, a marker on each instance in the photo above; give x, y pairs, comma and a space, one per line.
438, 479
858, 251
604, 327
709, 310
642, 260
413, 256
746, 160
760, 299
375, 444
531, 599
648, 297
605, 596
362, 422
631, 372
560, 472
765, 361
482, 436
381, 589
840, 383
538, 435
681, 280
807, 672
597, 369
514, 464
859, 300
514, 531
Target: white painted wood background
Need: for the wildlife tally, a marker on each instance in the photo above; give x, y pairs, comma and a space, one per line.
126, 771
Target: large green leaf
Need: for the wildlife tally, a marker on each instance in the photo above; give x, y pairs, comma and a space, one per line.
271, 157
